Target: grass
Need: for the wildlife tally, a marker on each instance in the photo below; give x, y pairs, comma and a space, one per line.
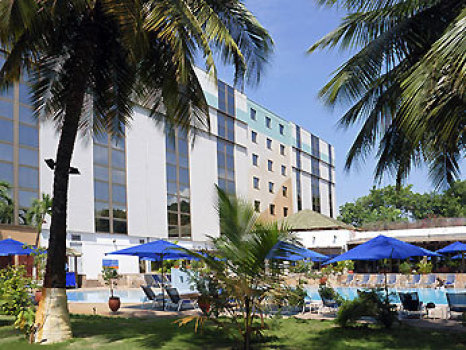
94, 332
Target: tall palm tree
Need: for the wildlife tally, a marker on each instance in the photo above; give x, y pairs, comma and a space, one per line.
36, 214
405, 84
6, 203
90, 60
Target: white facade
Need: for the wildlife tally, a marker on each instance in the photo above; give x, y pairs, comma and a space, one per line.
146, 178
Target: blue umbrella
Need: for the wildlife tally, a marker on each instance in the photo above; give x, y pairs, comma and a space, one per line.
382, 247
156, 251
457, 247
290, 252
10, 247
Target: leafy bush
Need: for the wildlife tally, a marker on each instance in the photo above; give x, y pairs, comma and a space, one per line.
368, 303
424, 267
329, 293
16, 297
406, 268
110, 276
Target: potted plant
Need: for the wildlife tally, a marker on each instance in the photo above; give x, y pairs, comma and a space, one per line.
111, 276
39, 256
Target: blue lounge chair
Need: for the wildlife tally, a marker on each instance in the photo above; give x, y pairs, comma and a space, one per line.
391, 281
177, 302
379, 280
349, 279
450, 281
364, 280
430, 281
410, 303
414, 281
456, 302
151, 297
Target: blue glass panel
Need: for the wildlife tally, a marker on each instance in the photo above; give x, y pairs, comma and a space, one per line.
28, 157
6, 152
26, 115
28, 136
28, 177
101, 190
26, 198
118, 193
6, 109
6, 172
6, 130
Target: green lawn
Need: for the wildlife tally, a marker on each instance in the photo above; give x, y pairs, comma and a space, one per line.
93, 332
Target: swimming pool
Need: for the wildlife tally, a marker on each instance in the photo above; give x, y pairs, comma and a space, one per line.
101, 296
426, 295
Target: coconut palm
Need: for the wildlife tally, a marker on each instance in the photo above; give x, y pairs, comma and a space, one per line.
36, 214
240, 267
6, 203
405, 83
89, 61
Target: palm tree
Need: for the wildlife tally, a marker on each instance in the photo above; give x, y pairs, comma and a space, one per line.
405, 84
36, 214
6, 203
240, 265
90, 61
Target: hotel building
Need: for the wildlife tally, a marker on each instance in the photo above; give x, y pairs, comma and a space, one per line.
154, 185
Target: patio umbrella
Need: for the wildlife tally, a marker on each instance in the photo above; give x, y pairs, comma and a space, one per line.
10, 247
457, 247
290, 252
382, 247
159, 250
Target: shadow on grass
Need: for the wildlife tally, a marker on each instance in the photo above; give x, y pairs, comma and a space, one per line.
150, 332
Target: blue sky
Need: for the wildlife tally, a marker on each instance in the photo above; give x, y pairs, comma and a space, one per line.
293, 78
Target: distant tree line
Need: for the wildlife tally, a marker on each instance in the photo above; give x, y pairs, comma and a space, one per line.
389, 205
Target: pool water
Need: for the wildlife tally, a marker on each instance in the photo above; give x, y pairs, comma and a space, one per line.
426, 295
101, 296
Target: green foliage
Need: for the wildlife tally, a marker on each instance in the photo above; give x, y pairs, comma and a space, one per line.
368, 303
404, 84
296, 297
110, 276
301, 267
330, 293
389, 204
406, 268
243, 273
16, 297
424, 266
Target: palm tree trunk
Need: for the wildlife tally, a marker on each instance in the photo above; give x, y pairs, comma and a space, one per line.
52, 316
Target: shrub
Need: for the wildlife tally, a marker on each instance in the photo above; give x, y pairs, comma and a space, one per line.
406, 268
424, 267
16, 297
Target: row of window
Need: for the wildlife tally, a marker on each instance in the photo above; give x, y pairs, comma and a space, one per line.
272, 208
268, 122
268, 142
256, 185
255, 162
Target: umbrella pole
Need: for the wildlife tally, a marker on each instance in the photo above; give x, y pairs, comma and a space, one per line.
163, 288
462, 261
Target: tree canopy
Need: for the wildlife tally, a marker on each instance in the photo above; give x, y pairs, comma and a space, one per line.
389, 205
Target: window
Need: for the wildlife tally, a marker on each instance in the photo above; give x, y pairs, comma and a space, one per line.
315, 193
19, 151
330, 198
271, 187
226, 127
226, 98
270, 165
334, 239
253, 114
257, 206
255, 159
285, 191
226, 166
254, 136
178, 184
272, 209
313, 240
268, 122
315, 170
315, 148
255, 182
110, 184
283, 170
285, 212
269, 143
281, 129
282, 150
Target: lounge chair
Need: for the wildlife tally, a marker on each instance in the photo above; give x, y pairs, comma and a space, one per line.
391, 281
430, 281
149, 281
176, 301
328, 304
410, 303
456, 302
364, 280
160, 281
414, 281
450, 281
348, 281
151, 297
379, 280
